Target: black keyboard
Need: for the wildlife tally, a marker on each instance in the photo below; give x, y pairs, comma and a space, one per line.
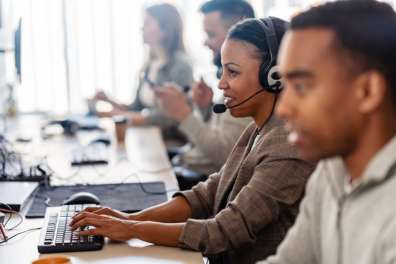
96, 153
56, 235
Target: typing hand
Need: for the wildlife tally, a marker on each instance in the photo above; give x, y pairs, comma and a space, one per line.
104, 225
201, 94
106, 211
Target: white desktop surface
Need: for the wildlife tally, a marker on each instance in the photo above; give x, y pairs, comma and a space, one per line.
23, 250
145, 151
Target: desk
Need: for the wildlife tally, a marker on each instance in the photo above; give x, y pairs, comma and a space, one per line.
144, 152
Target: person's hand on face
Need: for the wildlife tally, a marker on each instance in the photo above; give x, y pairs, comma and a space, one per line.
104, 225
201, 94
173, 102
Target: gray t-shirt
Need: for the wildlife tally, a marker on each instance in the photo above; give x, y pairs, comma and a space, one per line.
345, 223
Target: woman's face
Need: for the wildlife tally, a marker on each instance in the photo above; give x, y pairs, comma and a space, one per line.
152, 33
240, 78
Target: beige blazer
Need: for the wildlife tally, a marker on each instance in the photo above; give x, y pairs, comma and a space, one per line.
242, 213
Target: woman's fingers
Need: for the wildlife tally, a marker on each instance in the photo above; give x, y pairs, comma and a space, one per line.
83, 219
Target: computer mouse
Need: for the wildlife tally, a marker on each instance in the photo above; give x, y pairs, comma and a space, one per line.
82, 198
103, 140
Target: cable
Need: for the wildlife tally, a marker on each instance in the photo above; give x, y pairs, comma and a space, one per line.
103, 174
17, 234
141, 184
11, 212
123, 159
9, 216
47, 200
17, 224
117, 185
4, 210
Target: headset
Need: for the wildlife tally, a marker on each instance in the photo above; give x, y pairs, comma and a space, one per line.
269, 77
269, 73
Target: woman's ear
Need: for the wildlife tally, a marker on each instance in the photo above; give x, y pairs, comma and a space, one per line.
371, 91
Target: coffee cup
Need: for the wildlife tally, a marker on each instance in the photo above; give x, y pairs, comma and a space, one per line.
53, 260
121, 125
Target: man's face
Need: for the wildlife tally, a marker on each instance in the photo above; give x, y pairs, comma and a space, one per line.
216, 31
320, 100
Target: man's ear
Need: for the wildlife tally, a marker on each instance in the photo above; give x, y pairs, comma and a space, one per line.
371, 91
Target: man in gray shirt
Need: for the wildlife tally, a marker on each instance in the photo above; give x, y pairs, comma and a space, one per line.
339, 63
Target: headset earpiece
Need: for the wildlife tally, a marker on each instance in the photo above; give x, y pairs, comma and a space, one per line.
269, 74
274, 79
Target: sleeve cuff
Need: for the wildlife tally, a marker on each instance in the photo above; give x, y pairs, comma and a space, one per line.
192, 199
192, 234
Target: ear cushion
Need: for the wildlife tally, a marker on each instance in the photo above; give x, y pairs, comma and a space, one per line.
270, 81
274, 79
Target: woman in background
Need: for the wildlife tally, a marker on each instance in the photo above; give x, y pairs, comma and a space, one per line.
167, 62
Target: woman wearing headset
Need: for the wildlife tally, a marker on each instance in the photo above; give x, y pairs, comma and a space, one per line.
241, 213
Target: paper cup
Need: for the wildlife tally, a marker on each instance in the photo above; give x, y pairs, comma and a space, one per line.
53, 260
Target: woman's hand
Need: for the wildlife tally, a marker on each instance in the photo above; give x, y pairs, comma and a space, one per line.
107, 211
104, 225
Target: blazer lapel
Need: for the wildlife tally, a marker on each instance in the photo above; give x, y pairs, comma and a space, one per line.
241, 158
233, 167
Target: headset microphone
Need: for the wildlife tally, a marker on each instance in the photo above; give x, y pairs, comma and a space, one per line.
221, 108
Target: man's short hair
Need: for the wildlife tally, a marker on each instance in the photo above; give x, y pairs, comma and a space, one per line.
231, 11
365, 34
